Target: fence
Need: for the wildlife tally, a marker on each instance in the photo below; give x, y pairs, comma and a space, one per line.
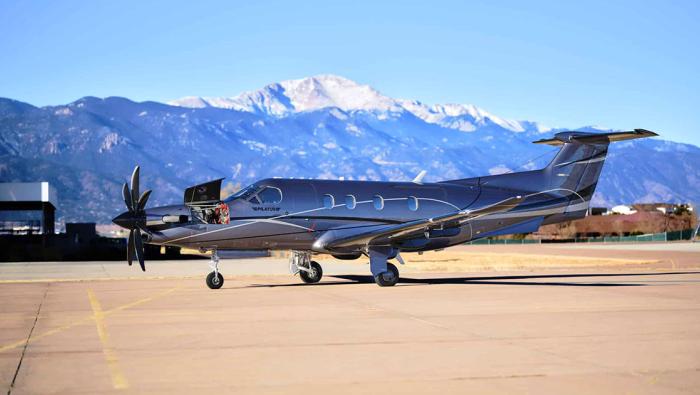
686, 234
504, 241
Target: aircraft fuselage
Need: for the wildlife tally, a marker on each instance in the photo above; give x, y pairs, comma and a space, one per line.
308, 208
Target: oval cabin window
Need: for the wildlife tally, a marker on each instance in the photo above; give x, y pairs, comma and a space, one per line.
350, 202
412, 203
378, 202
328, 201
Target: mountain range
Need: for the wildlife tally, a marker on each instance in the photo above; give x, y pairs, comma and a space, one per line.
318, 127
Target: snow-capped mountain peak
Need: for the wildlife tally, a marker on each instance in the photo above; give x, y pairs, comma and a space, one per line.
306, 94
327, 90
333, 91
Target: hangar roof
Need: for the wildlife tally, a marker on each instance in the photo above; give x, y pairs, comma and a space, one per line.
28, 192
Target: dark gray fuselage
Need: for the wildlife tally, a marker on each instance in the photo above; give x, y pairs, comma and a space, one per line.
301, 216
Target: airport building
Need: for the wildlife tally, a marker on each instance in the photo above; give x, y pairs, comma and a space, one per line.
27, 208
28, 232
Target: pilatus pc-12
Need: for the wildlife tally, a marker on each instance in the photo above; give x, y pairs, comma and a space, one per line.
349, 219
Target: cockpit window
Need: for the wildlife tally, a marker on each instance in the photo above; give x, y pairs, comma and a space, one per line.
270, 195
256, 194
245, 193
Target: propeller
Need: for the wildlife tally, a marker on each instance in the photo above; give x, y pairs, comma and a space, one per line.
134, 219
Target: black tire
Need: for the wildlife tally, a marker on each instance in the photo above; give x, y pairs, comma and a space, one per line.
314, 275
382, 281
215, 282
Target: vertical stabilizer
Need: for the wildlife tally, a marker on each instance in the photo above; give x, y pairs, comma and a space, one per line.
577, 166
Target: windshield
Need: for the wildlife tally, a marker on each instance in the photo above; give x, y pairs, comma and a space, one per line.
257, 194
244, 193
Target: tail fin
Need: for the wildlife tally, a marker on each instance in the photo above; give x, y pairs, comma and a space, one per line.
578, 164
572, 174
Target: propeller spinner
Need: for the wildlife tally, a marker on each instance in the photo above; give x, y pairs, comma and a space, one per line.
134, 219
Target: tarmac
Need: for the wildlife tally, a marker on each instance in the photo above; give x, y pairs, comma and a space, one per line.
104, 327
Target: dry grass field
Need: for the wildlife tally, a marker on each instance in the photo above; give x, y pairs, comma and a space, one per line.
454, 260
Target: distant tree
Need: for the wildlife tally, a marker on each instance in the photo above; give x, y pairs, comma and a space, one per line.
682, 209
519, 236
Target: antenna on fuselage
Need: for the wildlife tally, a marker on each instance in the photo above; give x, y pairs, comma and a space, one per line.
419, 177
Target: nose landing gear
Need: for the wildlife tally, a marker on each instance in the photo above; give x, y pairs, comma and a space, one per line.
214, 279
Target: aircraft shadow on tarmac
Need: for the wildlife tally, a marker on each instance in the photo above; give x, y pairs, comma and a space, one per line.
550, 279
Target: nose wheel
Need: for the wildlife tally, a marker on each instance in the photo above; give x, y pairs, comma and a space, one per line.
214, 279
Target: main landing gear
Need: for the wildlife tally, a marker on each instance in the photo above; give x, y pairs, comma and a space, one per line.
309, 271
214, 279
385, 274
389, 278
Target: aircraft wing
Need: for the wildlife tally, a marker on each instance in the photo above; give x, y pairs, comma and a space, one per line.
393, 232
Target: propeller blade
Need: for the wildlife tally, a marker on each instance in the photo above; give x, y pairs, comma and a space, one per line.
139, 248
142, 200
135, 187
130, 247
126, 193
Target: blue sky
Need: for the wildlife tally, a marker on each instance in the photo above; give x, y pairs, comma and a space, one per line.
621, 64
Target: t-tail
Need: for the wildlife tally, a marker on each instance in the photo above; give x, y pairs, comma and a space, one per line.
572, 174
577, 166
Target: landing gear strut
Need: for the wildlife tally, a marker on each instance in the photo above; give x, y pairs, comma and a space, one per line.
214, 280
309, 271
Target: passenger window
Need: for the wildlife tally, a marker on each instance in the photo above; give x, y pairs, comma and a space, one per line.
378, 202
270, 195
350, 202
328, 201
412, 203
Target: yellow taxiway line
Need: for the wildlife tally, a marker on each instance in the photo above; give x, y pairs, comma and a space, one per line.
87, 279
118, 379
85, 320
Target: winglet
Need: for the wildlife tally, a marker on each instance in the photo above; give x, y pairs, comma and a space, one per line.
419, 177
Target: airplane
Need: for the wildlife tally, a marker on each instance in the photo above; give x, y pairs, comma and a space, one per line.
350, 219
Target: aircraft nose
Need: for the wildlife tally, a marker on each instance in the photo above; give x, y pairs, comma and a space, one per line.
125, 220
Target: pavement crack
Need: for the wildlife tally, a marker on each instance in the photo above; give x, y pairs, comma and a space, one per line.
26, 343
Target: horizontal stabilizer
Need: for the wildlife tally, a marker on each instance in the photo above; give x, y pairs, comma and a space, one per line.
595, 138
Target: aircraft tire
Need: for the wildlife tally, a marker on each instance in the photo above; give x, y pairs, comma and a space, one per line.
314, 276
215, 283
382, 282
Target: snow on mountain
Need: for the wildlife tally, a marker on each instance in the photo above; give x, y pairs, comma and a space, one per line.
464, 117
324, 91
306, 94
